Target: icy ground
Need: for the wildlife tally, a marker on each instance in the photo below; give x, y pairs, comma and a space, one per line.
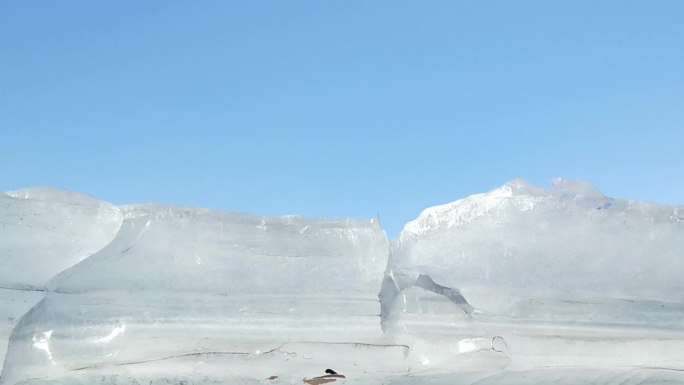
520, 285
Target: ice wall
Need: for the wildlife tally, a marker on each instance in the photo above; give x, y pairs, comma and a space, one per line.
520, 285
540, 278
43, 232
186, 293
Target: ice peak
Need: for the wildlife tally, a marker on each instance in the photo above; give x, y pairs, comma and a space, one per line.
575, 189
519, 187
465, 210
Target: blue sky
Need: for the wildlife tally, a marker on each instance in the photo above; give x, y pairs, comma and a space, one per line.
340, 109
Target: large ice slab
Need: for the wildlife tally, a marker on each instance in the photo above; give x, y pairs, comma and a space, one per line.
43, 232
539, 278
191, 294
193, 250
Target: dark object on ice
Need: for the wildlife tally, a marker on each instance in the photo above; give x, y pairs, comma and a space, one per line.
330, 376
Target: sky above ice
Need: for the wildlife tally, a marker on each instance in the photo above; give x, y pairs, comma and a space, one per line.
340, 109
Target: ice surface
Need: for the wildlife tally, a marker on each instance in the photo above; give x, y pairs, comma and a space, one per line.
520, 285
44, 232
559, 278
187, 293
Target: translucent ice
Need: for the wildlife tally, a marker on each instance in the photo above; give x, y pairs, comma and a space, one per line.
43, 232
516, 286
541, 279
187, 293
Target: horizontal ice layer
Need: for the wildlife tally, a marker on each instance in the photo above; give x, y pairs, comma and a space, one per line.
540, 278
151, 337
43, 232
185, 249
187, 292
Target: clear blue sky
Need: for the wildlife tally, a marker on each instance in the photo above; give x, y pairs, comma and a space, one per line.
340, 109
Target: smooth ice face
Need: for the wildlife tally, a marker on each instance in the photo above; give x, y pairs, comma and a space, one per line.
46, 231
568, 241
191, 250
42, 233
540, 278
189, 293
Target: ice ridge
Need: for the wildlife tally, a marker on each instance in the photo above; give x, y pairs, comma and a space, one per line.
208, 285
559, 277
520, 282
